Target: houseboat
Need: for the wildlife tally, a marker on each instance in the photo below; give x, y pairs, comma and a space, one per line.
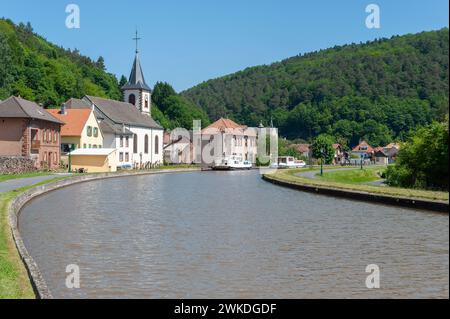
288, 162
231, 163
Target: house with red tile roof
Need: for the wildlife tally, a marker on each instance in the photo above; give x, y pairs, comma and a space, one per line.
303, 149
363, 150
227, 138
81, 129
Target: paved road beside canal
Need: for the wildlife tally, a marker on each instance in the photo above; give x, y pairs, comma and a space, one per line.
14, 184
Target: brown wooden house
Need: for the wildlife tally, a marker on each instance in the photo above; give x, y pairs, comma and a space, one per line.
27, 130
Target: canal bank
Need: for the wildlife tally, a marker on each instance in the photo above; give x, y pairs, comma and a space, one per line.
417, 199
11, 205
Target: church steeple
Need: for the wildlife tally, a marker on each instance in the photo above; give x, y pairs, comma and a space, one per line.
136, 91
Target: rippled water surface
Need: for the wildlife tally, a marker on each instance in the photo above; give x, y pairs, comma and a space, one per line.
230, 235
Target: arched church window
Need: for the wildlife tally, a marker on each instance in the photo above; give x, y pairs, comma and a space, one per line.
156, 144
135, 143
132, 99
146, 144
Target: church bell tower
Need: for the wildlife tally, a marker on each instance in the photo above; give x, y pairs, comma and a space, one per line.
136, 91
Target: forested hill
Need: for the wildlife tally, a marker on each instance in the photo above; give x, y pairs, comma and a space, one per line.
40, 71
376, 90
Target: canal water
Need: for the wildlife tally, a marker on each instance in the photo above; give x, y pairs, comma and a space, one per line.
230, 235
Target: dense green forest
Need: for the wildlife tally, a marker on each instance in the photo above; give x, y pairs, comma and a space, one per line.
377, 90
40, 71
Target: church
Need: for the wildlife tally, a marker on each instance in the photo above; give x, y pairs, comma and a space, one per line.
127, 125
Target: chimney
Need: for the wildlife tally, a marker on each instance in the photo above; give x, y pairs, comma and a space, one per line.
63, 109
92, 106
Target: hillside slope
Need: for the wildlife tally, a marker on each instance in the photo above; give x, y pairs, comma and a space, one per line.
377, 90
40, 71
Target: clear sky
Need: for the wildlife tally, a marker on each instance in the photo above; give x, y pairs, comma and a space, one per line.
187, 42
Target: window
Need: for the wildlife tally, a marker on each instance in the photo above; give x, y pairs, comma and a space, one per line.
89, 131
146, 144
146, 101
120, 157
132, 99
84, 145
95, 146
135, 144
127, 141
127, 157
90, 145
156, 144
95, 131
121, 141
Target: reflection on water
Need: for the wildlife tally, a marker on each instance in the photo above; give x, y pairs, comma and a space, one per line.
230, 235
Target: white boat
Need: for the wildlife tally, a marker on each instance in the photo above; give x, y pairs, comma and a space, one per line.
231, 163
289, 162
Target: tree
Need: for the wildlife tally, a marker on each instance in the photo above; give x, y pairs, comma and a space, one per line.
5, 66
423, 160
100, 63
123, 81
322, 148
161, 92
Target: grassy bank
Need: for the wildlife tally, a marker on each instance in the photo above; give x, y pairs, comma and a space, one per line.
337, 182
14, 281
354, 176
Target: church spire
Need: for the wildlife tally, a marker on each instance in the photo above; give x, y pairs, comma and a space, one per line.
136, 91
136, 80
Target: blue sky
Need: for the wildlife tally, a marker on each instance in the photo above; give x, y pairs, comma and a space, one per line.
187, 42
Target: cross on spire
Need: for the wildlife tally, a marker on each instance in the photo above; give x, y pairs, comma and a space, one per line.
136, 38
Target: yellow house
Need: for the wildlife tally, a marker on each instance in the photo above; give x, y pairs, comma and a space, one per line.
100, 160
81, 129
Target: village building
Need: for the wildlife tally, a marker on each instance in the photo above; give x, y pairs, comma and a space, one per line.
178, 149
380, 155
303, 149
94, 160
363, 150
81, 129
27, 130
339, 156
228, 139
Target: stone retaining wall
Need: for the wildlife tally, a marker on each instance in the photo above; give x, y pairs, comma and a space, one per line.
437, 206
16, 165
37, 281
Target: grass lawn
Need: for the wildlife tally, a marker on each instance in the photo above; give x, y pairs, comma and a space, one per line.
14, 281
354, 176
7, 177
289, 176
